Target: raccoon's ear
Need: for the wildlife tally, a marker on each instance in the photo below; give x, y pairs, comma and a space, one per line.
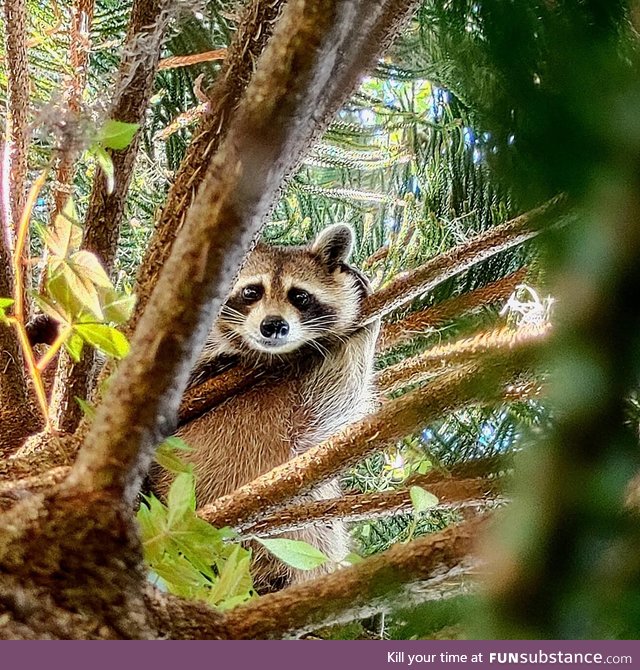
334, 245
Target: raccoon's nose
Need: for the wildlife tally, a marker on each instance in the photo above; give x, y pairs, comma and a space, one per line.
274, 327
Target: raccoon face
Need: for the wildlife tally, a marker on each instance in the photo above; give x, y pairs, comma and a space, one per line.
286, 297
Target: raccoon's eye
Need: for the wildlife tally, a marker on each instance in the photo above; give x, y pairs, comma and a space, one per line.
252, 293
299, 298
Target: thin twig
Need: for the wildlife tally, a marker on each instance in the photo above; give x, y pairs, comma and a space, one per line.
134, 87
394, 333
460, 352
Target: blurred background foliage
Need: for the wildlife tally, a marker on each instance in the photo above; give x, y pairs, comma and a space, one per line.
481, 110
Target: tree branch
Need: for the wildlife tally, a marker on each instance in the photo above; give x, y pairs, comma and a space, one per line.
439, 358
15, 490
17, 417
380, 583
395, 419
79, 46
375, 585
134, 87
452, 493
17, 132
268, 135
444, 266
377, 26
418, 323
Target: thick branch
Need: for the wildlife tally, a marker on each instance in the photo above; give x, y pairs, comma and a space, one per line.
213, 391
13, 491
104, 215
418, 323
355, 592
439, 358
267, 137
79, 46
452, 493
17, 132
396, 419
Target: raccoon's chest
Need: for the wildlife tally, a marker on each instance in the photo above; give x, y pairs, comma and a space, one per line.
254, 432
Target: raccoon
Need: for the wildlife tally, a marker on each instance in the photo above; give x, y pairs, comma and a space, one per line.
297, 307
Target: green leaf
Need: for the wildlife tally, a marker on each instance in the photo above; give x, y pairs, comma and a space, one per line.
295, 553
235, 579
117, 134
169, 460
152, 518
176, 443
74, 295
181, 499
105, 338
422, 500
106, 165
424, 467
50, 309
74, 345
116, 307
352, 558
182, 578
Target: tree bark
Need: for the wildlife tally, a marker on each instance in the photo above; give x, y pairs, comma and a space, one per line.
79, 47
436, 360
17, 134
70, 568
394, 333
375, 585
452, 494
17, 416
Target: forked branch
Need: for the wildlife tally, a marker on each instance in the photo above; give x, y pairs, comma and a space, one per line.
255, 29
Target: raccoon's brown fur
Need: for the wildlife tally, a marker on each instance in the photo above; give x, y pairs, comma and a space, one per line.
313, 297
